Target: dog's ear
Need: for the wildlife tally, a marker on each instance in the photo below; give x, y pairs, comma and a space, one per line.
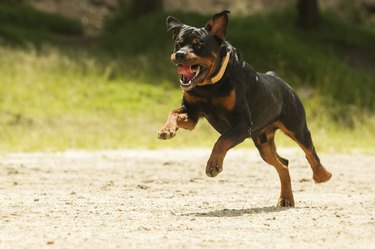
175, 25
217, 25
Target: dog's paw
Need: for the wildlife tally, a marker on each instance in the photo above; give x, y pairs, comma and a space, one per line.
321, 174
285, 202
214, 167
167, 132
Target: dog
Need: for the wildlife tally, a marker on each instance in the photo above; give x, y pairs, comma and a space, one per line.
236, 100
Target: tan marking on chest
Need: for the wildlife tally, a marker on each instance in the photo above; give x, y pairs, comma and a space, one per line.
192, 99
228, 102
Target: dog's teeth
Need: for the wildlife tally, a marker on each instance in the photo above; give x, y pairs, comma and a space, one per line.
194, 68
197, 72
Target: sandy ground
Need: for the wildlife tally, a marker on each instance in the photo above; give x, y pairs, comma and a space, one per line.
162, 199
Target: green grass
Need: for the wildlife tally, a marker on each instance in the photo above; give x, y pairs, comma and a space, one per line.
50, 101
116, 92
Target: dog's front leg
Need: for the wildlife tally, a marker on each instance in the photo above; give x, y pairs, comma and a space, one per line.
225, 142
177, 118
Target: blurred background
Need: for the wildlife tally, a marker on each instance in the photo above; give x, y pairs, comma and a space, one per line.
95, 74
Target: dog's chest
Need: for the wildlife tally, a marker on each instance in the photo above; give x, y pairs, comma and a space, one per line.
215, 102
219, 110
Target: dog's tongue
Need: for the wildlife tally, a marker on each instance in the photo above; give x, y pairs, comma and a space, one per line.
185, 70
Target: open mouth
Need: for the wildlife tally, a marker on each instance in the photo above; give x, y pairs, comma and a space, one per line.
191, 75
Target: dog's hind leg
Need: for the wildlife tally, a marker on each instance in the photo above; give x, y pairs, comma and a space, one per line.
266, 145
301, 135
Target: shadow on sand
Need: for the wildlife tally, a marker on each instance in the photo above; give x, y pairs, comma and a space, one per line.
236, 212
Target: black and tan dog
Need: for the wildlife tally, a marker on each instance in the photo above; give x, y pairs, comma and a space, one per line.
237, 101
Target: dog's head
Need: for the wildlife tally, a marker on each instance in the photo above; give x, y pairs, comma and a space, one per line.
198, 52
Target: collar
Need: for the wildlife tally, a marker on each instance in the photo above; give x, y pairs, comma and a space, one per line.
223, 67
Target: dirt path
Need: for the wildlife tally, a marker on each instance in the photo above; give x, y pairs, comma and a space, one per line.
162, 199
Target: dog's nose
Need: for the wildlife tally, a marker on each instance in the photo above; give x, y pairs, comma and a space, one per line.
180, 55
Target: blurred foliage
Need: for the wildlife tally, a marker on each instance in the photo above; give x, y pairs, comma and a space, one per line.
21, 23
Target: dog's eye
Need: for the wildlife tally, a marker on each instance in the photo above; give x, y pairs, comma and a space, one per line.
180, 43
197, 45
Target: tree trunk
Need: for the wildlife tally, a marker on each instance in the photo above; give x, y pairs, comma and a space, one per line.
308, 14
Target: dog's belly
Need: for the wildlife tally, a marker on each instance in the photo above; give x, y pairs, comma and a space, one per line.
266, 117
